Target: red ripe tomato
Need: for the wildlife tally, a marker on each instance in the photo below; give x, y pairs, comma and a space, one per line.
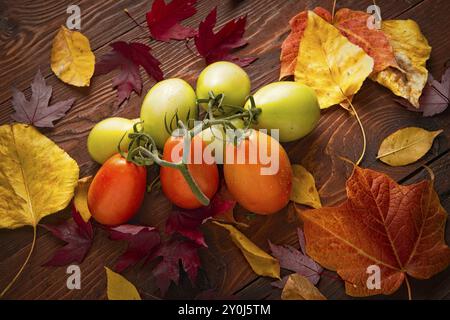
173, 183
258, 193
117, 191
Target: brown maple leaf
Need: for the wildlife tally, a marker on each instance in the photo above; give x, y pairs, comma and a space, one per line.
398, 228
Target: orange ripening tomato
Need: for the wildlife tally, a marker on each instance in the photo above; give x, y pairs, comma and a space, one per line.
173, 183
117, 191
257, 192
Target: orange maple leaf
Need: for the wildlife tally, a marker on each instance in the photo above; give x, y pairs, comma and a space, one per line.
398, 228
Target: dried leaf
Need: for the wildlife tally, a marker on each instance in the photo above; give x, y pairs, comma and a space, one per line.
128, 57
37, 111
119, 288
435, 96
304, 187
78, 235
37, 178
163, 20
406, 146
411, 51
142, 242
398, 228
218, 46
72, 60
329, 63
80, 198
299, 288
296, 261
262, 263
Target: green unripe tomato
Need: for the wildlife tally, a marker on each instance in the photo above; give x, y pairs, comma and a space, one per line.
105, 136
288, 106
162, 102
227, 78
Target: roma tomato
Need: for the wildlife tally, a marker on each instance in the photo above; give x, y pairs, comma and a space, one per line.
117, 191
173, 183
259, 174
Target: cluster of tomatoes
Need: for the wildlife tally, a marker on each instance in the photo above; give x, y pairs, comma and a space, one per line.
118, 188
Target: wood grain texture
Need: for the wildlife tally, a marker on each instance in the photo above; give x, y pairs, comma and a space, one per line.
26, 30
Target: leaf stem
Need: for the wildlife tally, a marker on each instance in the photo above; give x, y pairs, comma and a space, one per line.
23, 265
408, 287
363, 132
134, 20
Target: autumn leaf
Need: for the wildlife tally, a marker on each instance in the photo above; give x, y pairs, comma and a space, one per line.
128, 57
142, 242
187, 222
219, 46
80, 198
296, 261
78, 236
298, 287
398, 228
119, 288
304, 187
411, 51
329, 63
37, 111
261, 262
163, 20
72, 60
172, 252
406, 146
435, 96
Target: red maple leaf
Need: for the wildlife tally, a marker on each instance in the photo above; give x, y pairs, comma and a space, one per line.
78, 235
168, 269
142, 242
163, 19
218, 46
128, 57
187, 222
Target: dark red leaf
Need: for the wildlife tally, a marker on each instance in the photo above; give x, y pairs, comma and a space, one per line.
128, 57
296, 261
78, 235
187, 222
37, 111
168, 269
218, 46
435, 97
163, 19
142, 241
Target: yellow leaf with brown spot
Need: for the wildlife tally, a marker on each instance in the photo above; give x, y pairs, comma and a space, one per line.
297, 287
80, 198
119, 288
261, 262
72, 60
406, 146
411, 50
304, 189
329, 63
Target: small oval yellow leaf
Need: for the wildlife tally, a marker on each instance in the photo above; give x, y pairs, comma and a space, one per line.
80, 197
119, 288
72, 60
406, 146
298, 287
37, 178
304, 189
261, 262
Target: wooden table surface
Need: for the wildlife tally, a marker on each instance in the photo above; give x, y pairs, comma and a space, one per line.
27, 28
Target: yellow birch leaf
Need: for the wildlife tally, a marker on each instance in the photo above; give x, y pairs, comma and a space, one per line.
261, 262
304, 189
80, 198
298, 287
411, 50
119, 288
406, 146
329, 63
72, 60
